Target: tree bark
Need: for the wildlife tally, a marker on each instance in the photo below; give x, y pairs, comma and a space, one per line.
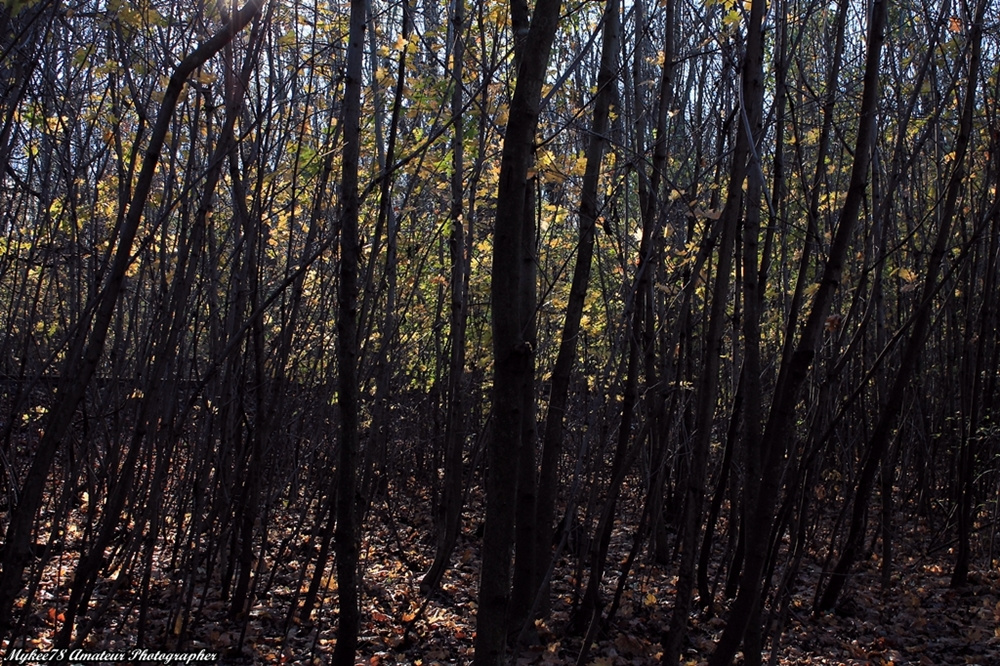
349, 398
512, 352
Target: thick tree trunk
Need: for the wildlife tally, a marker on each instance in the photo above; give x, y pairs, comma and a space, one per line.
525, 577
349, 398
512, 351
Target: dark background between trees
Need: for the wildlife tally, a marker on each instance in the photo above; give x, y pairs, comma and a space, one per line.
706, 290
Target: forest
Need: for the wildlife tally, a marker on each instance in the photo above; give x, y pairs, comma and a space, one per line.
595, 332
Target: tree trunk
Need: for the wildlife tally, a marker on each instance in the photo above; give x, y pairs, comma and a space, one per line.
449, 518
548, 485
349, 398
87, 348
881, 436
749, 118
794, 369
512, 352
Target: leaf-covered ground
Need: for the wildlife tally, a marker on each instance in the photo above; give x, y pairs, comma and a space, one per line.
919, 620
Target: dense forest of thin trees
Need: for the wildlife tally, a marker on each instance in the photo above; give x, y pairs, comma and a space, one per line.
707, 285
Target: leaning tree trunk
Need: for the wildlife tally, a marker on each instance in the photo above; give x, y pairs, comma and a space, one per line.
794, 370
881, 436
88, 347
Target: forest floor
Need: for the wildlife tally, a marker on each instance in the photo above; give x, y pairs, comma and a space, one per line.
919, 620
